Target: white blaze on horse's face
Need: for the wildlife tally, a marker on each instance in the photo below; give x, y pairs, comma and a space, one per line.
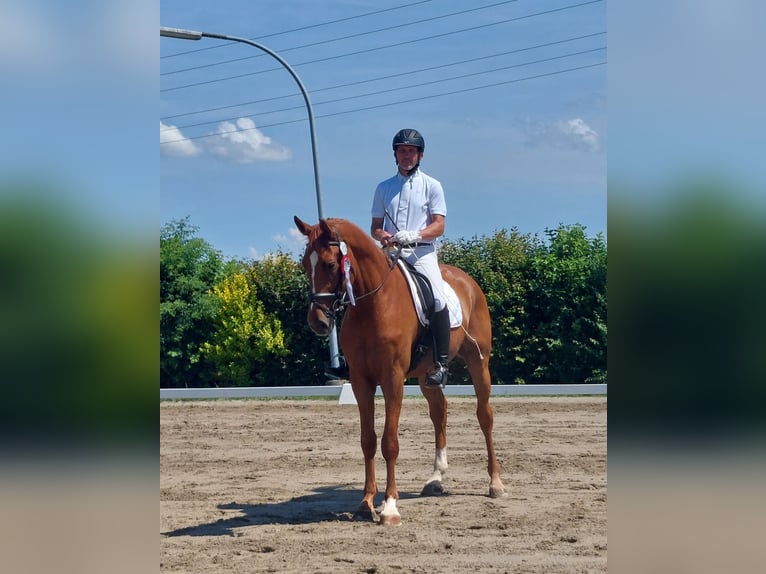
318, 319
313, 259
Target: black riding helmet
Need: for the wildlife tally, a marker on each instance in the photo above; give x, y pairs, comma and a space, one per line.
409, 137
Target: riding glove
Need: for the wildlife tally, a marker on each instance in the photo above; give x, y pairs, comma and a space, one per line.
406, 237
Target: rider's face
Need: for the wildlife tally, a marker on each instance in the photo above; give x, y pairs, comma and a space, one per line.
407, 156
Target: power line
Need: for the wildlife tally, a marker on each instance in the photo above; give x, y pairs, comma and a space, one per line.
399, 89
331, 40
308, 27
410, 100
401, 43
350, 84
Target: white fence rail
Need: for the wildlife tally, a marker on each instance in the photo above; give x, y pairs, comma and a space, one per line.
343, 392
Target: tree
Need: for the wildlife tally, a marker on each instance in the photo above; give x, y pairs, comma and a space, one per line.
498, 264
283, 288
244, 322
244, 336
566, 330
547, 302
189, 268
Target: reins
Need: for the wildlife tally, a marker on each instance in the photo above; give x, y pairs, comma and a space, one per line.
344, 299
392, 265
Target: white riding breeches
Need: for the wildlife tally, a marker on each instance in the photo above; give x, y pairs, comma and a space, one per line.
425, 260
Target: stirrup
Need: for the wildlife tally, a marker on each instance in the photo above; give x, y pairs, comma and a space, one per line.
439, 377
337, 373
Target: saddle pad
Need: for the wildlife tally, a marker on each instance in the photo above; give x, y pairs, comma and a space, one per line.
453, 303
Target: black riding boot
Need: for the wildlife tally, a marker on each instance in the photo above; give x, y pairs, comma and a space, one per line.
441, 333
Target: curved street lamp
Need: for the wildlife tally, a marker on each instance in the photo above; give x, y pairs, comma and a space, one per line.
194, 35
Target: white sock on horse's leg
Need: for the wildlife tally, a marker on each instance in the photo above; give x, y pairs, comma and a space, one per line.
390, 513
440, 465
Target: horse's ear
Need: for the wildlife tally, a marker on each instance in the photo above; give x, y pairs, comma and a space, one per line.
325, 227
302, 226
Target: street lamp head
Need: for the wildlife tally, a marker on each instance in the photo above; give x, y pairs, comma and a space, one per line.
180, 33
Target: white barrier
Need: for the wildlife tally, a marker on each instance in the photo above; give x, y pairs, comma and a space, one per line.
346, 396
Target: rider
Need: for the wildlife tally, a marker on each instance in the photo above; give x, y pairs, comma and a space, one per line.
409, 209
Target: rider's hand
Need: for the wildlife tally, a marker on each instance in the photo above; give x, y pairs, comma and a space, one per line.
406, 237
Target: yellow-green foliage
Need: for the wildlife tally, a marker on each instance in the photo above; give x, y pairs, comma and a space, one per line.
244, 334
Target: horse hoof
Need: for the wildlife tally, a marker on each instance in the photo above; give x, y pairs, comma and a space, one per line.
389, 513
365, 512
433, 488
391, 520
497, 492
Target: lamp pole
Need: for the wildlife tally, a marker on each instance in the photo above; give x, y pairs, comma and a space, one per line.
194, 35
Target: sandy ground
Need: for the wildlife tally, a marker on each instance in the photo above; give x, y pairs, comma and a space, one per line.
271, 486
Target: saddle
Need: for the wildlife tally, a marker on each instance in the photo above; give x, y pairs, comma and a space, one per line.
423, 299
423, 293
423, 296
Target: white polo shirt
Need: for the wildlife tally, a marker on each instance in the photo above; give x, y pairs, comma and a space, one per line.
409, 200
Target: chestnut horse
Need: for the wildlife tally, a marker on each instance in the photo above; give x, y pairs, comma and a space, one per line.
377, 337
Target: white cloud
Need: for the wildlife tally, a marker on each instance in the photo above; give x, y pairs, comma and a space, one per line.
173, 142
563, 134
579, 134
293, 242
244, 143
238, 143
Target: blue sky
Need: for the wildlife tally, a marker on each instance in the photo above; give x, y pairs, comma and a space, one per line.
511, 98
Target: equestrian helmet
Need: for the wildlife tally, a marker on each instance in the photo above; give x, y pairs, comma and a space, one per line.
409, 137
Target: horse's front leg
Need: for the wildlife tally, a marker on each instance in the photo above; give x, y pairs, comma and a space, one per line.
389, 446
437, 410
365, 400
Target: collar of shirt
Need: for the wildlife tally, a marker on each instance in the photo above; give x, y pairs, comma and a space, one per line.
404, 178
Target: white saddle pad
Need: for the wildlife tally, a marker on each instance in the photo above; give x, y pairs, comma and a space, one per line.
453, 303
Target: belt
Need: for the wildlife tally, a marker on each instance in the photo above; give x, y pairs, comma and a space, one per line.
419, 244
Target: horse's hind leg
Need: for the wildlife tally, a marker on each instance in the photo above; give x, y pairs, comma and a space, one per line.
479, 370
437, 410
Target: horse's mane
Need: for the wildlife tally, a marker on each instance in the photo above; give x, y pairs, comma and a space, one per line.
362, 246
348, 231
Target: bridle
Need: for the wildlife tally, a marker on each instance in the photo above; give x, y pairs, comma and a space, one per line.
343, 295
337, 300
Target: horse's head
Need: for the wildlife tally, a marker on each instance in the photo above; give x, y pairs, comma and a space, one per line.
321, 262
